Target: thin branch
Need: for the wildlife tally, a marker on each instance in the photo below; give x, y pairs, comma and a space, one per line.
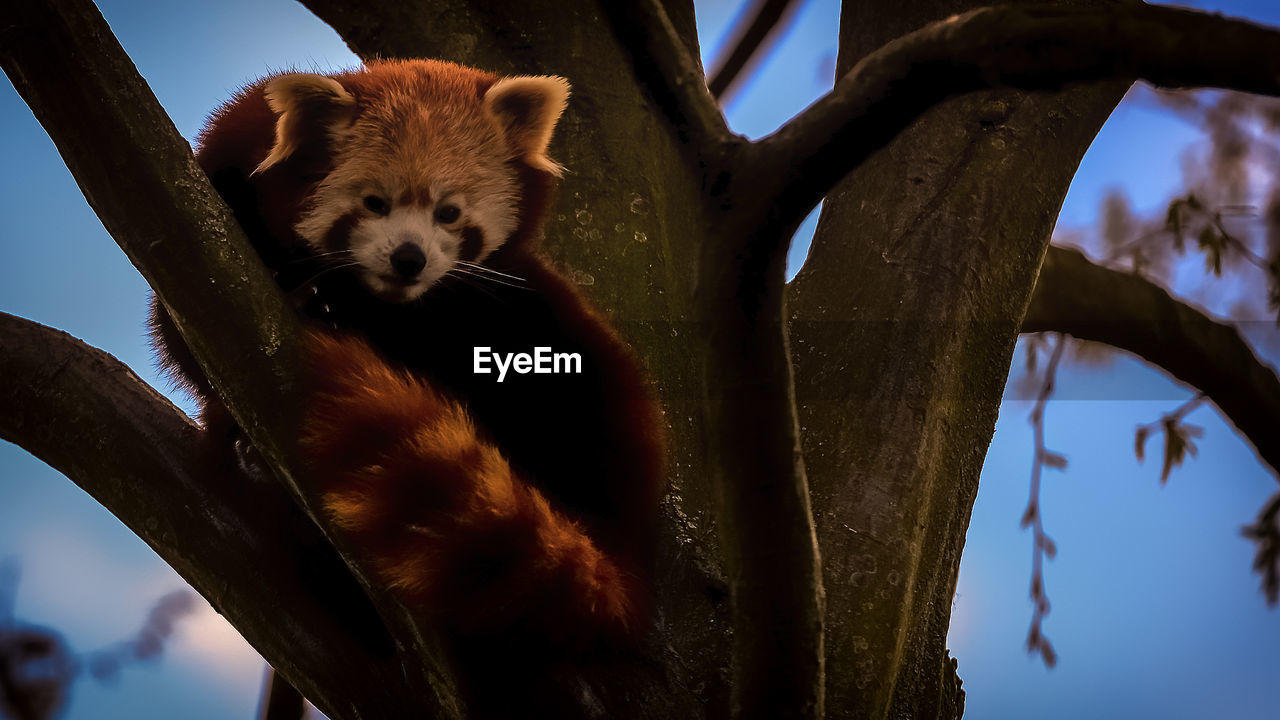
749, 36
1041, 545
1177, 414
88, 416
1032, 48
675, 76
765, 516
1090, 302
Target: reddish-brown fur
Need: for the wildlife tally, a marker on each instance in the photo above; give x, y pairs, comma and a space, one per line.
443, 516
525, 508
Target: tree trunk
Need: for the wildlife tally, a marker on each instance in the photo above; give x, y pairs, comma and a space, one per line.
903, 323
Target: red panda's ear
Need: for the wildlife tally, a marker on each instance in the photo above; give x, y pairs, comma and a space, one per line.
526, 109
309, 107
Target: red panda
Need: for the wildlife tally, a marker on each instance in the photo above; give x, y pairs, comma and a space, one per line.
401, 207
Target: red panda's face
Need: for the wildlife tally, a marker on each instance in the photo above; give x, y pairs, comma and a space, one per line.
422, 181
414, 194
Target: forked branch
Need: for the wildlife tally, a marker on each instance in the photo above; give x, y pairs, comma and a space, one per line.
672, 73
1031, 48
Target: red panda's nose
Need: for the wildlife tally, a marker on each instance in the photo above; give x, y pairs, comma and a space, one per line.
408, 260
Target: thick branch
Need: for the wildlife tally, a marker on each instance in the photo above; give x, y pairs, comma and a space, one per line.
674, 75
139, 176
1032, 48
87, 415
766, 520
1090, 302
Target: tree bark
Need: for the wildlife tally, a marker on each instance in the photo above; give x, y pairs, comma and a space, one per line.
88, 416
903, 322
900, 330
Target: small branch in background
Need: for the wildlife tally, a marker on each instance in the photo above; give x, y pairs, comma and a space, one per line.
37, 668
105, 665
1041, 544
36, 673
1266, 533
1231, 176
1212, 237
1178, 436
757, 25
280, 699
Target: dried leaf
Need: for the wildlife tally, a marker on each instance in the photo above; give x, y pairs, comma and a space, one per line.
1053, 460
1266, 562
1029, 516
1177, 444
1212, 243
1140, 441
1173, 224
1046, 652
1050, 548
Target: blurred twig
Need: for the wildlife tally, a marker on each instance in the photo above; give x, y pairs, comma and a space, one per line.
1266, 533
1041, 544
751, 30
1177, 436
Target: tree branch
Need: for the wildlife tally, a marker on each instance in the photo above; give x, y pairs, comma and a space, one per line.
88, 416
749, 36
672, 74
753, 445
1032, 48
139, 176
1090, 302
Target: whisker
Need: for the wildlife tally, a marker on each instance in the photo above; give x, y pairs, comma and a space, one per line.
486, 268
320, 256
459, 277
490, 275
471, 273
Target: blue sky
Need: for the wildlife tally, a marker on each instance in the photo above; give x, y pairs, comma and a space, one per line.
1155, 610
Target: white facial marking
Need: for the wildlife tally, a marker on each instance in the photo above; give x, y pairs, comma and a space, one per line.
375, 239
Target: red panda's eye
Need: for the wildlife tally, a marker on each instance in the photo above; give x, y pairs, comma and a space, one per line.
448, 213
375, 204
